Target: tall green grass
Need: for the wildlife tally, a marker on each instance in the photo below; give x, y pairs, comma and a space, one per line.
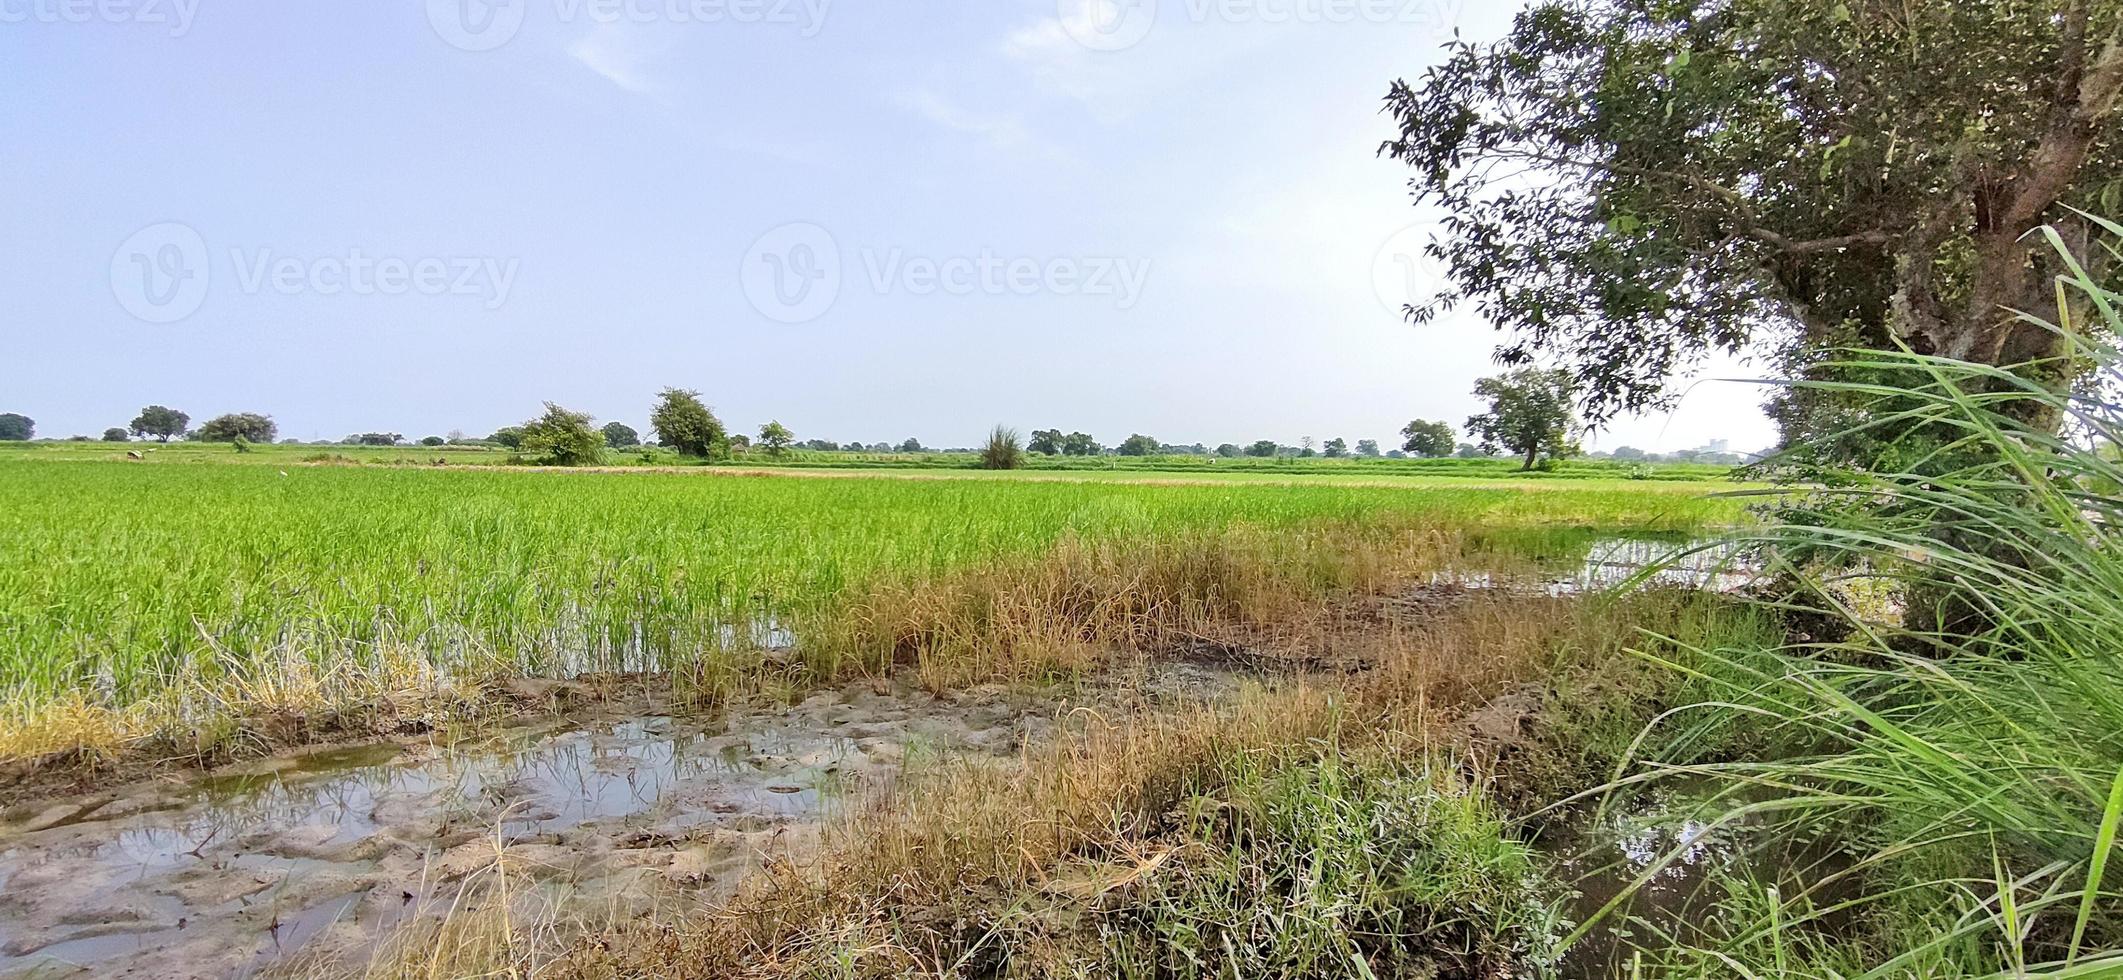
1975, 776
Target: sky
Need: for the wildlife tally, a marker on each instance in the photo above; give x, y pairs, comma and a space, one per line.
865, 220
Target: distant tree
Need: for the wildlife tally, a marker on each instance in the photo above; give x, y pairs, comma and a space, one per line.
1046, 442
1306, 447
79, 439
1468, 450
1629, 454
1002, 451
562, 438
620, 435
775, 438
160, 422
17, 428
1367, 447
433, 441
248, 426
911, 446
376, 439
1081, 444
508, 437
1138, 445
1229, 450
880, 447
1428, 439
1531, 414
1263, 449
1396, 454
1337, 448
739, 442
684, 423
115, 434
820, 445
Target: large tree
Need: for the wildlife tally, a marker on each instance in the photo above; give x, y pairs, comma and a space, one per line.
16, 428
684, 423
161, 422
1629, 184
1530, 414
1433, 440
246, 426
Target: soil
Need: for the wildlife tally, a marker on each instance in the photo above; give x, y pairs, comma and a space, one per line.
323, 851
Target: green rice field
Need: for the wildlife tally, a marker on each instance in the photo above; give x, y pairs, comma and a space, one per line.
121, 578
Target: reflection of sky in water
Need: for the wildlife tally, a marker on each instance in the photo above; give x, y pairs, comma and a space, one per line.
540, 782
1612, 562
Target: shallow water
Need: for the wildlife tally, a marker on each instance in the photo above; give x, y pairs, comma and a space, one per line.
325, 851
1671, 857
1593, 564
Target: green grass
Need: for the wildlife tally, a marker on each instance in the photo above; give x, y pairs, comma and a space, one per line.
120, 582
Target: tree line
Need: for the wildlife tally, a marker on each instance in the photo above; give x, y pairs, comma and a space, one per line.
1530, 417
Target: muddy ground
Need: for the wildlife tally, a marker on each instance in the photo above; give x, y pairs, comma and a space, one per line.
322, 852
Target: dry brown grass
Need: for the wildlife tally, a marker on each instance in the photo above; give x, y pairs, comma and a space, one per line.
974, 863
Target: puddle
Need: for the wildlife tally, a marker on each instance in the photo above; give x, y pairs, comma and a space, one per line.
327, 850
1608, 563
1603, 857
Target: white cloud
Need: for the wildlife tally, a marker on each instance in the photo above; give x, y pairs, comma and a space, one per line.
1002, 130
619, 55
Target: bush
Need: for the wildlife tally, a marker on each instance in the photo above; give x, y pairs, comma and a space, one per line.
562, 438
683, 423
1003, 450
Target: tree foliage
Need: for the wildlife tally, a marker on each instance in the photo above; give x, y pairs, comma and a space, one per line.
1629, 184
620, 435
161, 422
1367, 448
248, 426
1263, 449
1138, 445
775, 438
17, 428
1080, 444
1046, 442
1530, 414
1431, 440
115, 434
684, 423
508, 437
562, 438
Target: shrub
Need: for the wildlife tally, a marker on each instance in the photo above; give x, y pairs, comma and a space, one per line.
1003, 450
562, 438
